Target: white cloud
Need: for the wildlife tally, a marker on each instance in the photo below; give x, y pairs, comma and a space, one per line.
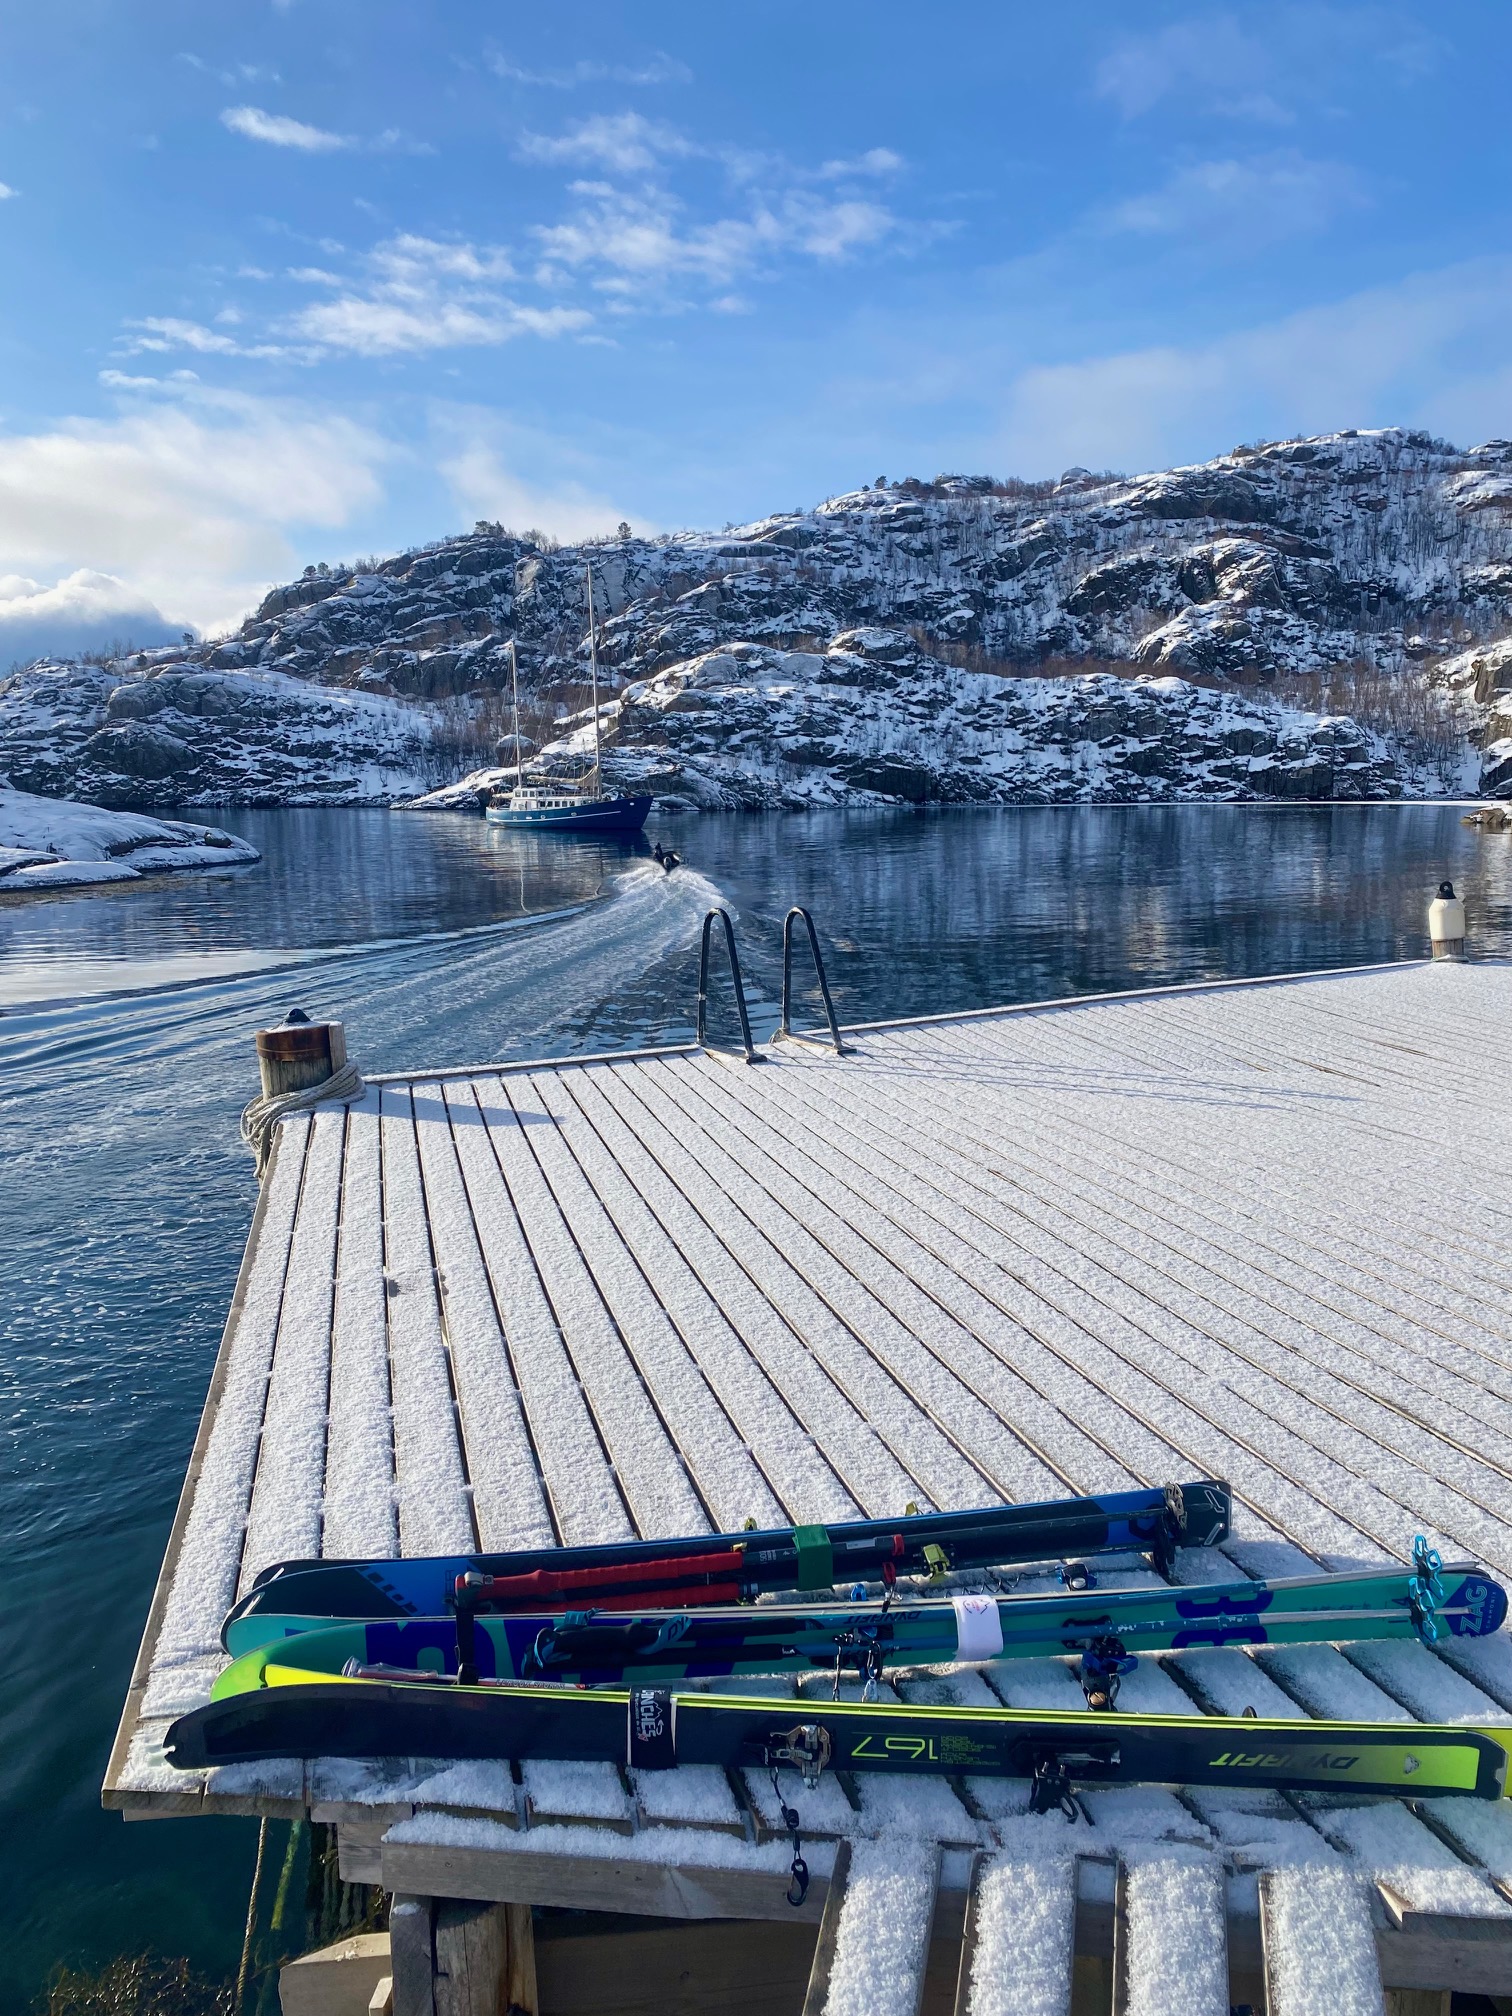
657, 69
5, 191
875, 161
1362, 361
158, 334
84, 611
427, 294
277, 131
191, 501
1267, 197
1209, 56
621, 141
1212, 62
641, 239
171, 332
235, 73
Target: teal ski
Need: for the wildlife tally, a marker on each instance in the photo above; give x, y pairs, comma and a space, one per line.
1106, 1627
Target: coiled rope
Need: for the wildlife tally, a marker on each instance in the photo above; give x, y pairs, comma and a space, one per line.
264, 1113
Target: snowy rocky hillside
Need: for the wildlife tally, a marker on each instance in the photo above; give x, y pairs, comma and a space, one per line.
1285, 603
54, 843
873, 719
180, 733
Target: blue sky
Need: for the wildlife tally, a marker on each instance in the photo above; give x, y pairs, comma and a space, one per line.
296, 279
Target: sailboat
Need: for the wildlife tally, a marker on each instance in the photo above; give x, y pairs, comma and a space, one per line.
579, 805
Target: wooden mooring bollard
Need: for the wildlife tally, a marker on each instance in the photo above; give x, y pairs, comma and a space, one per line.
299, 1053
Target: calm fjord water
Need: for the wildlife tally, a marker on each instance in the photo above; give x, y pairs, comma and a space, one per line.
125, 1198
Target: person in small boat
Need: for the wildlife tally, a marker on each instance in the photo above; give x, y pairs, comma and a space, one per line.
666, 857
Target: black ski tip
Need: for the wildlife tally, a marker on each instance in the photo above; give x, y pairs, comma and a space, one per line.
335, 1590
184, 1746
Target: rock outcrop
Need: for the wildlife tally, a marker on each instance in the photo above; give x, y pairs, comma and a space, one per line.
53, 843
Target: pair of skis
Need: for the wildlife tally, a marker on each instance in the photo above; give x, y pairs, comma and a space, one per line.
736, 1567
1106, 1628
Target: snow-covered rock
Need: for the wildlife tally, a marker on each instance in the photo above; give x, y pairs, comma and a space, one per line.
180, 733
53, 843
876, 720
1336, 567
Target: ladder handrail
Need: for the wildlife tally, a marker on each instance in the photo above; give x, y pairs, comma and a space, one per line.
784, 1027
723, 915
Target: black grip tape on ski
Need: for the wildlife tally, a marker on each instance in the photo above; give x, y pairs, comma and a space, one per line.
652, 1741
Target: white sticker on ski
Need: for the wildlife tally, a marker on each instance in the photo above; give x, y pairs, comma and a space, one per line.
979, 1627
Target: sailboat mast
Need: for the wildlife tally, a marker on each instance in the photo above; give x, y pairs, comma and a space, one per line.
598, 754
514, 681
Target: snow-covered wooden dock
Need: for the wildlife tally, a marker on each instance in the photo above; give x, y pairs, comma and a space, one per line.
1260, 1231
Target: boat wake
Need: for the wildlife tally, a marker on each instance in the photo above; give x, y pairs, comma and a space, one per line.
535, 986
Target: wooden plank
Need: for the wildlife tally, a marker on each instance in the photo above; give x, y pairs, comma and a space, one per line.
1019, 1942
598, 1883
1408, 1918
472, 1958
852, 1329
1109, 1343
962, 2003
830, 1373
1315, 1927
435, 1515
284, 1517
361, 1519
817, 1993
729, 1968
911, 1332
881, 1945
1170, 1936
412, 1954
1192, 1301
522, 1995
337, 1980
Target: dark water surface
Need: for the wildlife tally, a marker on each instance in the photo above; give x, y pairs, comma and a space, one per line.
125, 1198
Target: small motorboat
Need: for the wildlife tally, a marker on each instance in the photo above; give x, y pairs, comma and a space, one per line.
666, 857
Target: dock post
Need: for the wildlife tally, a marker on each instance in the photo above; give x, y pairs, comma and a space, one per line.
1446, 923
299, 1054
452, 1956
412, 1955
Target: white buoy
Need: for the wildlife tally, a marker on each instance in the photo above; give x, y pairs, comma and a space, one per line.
1446, 923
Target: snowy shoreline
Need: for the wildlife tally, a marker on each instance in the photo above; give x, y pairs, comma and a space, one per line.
58, 843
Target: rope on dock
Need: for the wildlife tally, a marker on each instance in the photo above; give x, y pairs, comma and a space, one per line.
263, 1114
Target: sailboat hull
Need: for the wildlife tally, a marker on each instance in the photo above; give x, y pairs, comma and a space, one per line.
595, 815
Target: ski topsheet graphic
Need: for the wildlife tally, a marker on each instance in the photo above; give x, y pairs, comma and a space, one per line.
295, 1714
733, 1567
864, 1639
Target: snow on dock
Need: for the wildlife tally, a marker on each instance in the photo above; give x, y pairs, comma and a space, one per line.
1257, 1230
